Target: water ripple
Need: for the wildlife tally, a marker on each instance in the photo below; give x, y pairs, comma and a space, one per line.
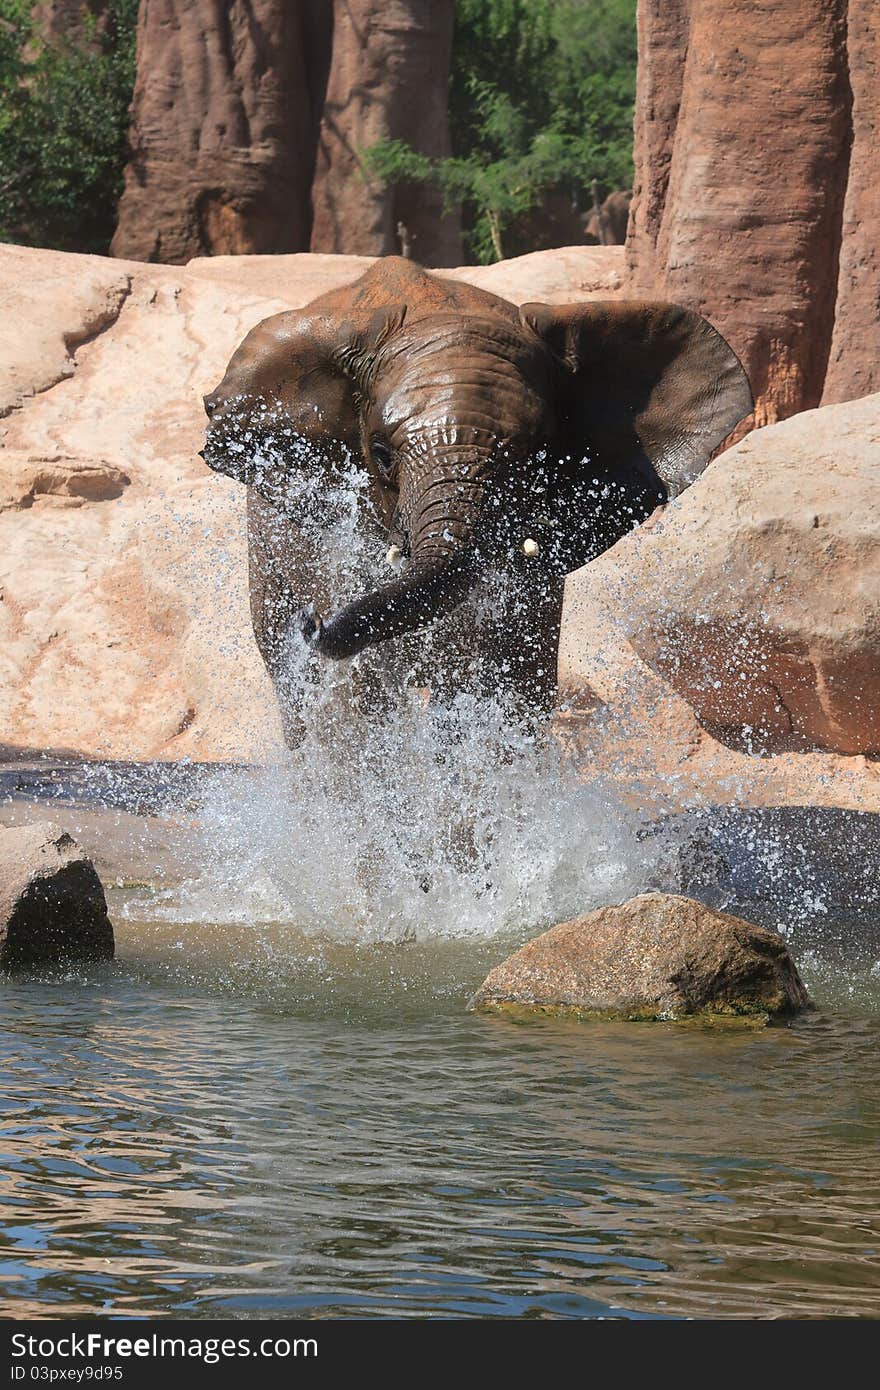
203, 1155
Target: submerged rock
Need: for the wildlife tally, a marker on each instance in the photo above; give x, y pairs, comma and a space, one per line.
658, 956
52, 904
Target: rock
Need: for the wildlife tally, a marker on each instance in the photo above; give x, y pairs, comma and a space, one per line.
623, 724
53, 304
658, 956
775, 857
67, 482
854, 359
225, 119
389, 80
124, 619
52, 906
756, 596
249, 120
743, 147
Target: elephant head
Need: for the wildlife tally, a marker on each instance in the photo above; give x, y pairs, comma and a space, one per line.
492, 435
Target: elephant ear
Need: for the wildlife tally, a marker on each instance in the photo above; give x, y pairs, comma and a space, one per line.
307, 371
647, 386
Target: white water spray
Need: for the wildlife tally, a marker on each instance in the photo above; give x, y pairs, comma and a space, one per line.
406, 815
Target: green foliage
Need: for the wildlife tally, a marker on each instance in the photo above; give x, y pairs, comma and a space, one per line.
541, 100
63, 125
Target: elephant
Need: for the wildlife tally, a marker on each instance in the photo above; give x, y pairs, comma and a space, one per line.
606, 223
503, 441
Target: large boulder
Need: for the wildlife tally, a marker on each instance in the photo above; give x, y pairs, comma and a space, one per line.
624, 724
755, 198
756, 596
52, 905
658, 956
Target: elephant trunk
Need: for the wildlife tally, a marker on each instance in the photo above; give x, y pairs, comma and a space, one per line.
439, 577
425, 592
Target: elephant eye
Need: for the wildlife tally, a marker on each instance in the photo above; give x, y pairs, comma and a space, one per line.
382, 458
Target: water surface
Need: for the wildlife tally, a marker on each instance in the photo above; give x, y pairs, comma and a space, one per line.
250, 1120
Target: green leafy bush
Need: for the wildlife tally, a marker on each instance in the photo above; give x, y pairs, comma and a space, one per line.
63, 125
541, 101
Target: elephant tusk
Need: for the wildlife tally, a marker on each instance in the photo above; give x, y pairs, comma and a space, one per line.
530, 547
394, 556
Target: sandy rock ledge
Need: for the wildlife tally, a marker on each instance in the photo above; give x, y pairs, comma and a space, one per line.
658, 956
125, 626
52, 905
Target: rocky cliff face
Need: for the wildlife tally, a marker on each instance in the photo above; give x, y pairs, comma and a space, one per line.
389, 77
753, 194
236, 132
854, 361
225, 114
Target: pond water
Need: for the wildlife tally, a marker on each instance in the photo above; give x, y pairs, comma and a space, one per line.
253, 1112
274, 1102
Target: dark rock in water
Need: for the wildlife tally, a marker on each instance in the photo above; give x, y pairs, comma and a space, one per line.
806, 866
52, 904
657, 956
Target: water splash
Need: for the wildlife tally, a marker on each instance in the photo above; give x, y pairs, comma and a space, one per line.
407, 813
455, 826
402, 814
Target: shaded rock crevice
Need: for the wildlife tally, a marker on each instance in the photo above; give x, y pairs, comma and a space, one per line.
827, 288
25, 478
97, 322
53, 911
